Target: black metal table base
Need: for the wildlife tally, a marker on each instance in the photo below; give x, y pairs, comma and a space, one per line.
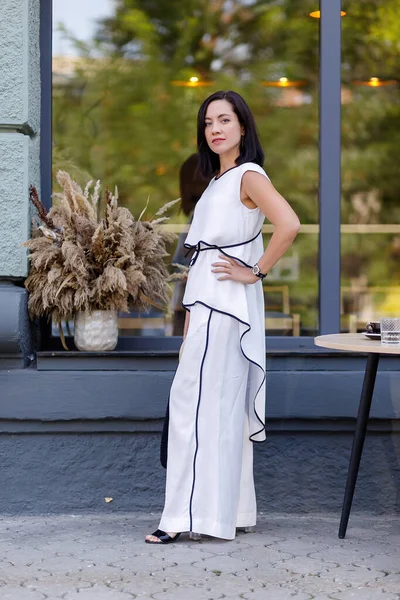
359, 437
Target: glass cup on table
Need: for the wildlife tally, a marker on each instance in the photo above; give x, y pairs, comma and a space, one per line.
390, 331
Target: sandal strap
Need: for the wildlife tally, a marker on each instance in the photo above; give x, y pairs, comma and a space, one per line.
158, 533
164, 537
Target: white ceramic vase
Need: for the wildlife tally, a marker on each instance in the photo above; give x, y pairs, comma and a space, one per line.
96, 331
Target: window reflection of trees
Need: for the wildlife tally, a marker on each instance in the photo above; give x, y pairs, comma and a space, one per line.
370, 182
118, 116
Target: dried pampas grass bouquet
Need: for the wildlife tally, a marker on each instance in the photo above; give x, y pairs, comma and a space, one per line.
80, 262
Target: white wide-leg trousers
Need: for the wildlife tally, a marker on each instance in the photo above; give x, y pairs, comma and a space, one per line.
210, 486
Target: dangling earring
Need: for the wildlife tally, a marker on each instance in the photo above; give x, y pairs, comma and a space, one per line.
242, 142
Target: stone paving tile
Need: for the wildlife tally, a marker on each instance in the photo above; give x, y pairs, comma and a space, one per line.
260, 539
94, 576
265, 555
383, 562
18, 593
52, 589
98, 592
144, 563
300, 546
217, 546
305, 565
104, 557
277, 594
232, 584
355, 576
226, 564
319, 583
337, 580
139, 585
182, 554
193, 593
271, 575
341, 555
362, 594
325, 597
186, 574
388, 583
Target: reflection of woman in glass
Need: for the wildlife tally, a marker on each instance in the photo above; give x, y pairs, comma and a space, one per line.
192, 185
217, 397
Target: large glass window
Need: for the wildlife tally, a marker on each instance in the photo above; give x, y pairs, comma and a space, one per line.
128, 79
370, 239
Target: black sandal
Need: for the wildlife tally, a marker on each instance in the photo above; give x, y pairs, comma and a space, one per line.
163, 537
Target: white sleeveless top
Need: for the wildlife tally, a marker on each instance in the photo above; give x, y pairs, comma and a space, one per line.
222, 224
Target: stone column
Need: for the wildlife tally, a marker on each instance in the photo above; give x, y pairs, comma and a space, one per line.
19, 167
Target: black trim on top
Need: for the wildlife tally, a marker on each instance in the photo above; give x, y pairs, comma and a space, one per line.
222, 312
227, 171
198, 248
197, 421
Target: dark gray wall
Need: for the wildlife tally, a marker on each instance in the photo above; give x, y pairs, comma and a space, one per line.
68, 439
295, 472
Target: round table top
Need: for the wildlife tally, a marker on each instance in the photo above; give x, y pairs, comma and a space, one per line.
354, 342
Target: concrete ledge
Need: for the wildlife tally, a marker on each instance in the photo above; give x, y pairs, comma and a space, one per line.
164, 357
142, 395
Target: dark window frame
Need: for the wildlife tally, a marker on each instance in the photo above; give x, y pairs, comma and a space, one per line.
329, 181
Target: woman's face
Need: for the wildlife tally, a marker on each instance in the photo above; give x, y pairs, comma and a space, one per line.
222, 128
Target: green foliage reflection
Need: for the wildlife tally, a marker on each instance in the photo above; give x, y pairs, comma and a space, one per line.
118, 117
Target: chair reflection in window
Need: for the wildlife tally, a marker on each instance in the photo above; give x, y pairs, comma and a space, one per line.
278, 316
280, 320
360, 304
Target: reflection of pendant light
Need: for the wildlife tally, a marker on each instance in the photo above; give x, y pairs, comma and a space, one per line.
284, 82
192, 82
375, 82
316, 14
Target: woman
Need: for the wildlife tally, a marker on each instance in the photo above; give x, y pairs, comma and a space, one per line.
217, 398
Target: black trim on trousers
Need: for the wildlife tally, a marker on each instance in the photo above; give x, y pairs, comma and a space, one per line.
197, 420
212, 308
164, 437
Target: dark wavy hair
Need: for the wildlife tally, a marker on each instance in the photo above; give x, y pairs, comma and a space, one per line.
191, 184
250, 148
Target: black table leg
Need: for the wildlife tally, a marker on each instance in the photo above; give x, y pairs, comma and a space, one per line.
359, 437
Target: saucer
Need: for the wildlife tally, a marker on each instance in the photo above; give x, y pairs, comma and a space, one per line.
371, 336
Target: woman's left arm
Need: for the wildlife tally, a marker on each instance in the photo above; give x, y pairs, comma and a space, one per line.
286, 224
278, 212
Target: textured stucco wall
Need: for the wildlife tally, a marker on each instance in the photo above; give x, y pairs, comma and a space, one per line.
14, 153
14, 91
19, 63
33, 59
19, 127
303, 473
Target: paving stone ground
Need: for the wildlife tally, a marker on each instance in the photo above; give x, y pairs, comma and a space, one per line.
104, 557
